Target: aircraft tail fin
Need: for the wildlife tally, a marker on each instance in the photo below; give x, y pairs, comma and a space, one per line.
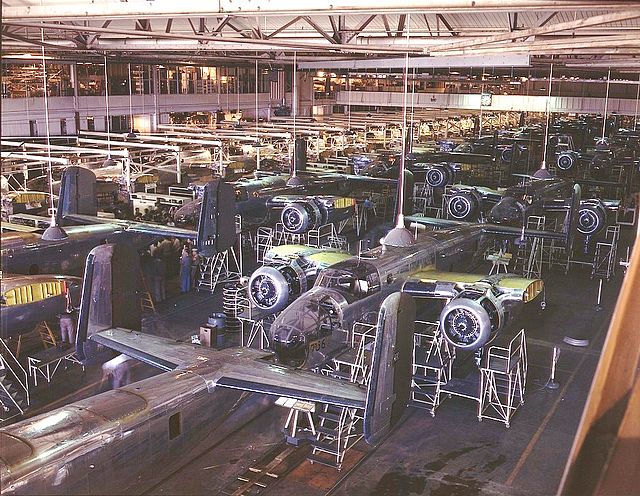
388, 391
216, 227
110, 292
77, 193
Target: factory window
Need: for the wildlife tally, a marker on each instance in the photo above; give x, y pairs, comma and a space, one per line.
33, 128
91, 123
175, 426
63, 127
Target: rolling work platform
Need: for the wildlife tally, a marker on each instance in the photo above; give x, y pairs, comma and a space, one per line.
223, 267
340, 428
604, 260
530, 256
497, 385
502, 380
14, 385
433, 358
47, 362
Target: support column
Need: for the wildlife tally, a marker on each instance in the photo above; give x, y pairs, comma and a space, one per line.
304, 91
155, 83
73, 70
178, 168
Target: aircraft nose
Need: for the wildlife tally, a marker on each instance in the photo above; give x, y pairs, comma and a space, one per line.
289, 344
506, 211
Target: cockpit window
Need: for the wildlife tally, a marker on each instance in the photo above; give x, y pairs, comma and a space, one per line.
355, 278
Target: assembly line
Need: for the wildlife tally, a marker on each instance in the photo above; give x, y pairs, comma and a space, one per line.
362, 249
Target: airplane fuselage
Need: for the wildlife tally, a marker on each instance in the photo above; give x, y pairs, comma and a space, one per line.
29, 299
352, 291
28, 253
123, 441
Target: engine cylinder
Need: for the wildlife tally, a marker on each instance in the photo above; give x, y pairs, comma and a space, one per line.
566, 161
299, 217
592, 217
471, 320
439, 176
273, 288
463, 205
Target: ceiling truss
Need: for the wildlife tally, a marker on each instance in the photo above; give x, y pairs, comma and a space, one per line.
173, 31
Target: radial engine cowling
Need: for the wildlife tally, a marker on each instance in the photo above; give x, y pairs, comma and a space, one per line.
299, 217
274, 287
472, 319
438, 176
463, 205
566, 161
592, 217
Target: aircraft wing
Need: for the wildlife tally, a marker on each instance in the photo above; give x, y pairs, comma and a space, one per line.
260, 376
497, 229
139, 227
442, 284
11, 226
353, 177
164, 353
236, 368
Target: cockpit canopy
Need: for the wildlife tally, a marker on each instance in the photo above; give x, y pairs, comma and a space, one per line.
354, 277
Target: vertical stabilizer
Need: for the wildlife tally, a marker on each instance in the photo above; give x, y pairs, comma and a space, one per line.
77, 193
110, 292
388, 392
217, 225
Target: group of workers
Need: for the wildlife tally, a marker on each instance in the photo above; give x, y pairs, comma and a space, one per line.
159, 214
189, 268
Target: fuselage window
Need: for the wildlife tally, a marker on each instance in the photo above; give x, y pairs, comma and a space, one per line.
175, 425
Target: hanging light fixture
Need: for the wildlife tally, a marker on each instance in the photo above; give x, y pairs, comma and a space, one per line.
53, 232
109, 162
542, 172
131, 134
400, 235
294, 180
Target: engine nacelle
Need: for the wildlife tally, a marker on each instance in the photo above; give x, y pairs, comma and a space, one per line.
600, 165
438, 176
566, 161
464, 205
312, 212
592, 217
299, 217
510, 153
472, 319
274, 287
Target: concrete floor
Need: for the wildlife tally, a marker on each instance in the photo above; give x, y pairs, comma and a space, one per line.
451, 454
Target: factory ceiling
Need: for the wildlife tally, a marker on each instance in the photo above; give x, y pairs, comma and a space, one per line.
589, 33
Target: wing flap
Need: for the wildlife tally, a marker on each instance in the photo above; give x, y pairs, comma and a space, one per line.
259, 376
164, 353
138, 227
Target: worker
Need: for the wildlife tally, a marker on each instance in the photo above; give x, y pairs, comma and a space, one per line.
159, 277
195, 267
185, 270
68, 324
117, 371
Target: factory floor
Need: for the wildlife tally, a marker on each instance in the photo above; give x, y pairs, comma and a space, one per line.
449, 454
